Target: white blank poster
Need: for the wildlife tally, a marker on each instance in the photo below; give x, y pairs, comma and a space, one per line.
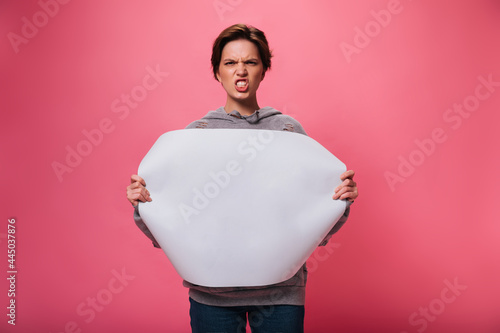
237, 207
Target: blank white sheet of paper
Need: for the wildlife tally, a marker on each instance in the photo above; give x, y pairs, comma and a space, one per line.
239, 207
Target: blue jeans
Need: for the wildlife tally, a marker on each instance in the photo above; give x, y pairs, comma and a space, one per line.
233, 319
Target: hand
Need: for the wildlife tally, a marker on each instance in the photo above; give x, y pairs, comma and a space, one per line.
348, 189
137, 191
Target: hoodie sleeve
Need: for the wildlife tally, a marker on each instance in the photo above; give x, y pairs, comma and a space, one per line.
144, 228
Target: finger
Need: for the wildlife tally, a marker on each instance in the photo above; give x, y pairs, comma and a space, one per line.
138, 197
339, 193
136, 185
351, 196
137, 178
140, 194
347, 182
141, 189
144, 194
144, 197
346, 192
131, 199
347, 174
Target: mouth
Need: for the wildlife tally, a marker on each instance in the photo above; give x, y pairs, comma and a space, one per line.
241, 85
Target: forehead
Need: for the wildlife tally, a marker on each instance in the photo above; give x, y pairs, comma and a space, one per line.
240, 48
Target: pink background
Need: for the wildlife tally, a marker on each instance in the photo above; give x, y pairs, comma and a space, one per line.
404, 242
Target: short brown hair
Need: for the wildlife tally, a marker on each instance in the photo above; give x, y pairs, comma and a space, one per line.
241, 31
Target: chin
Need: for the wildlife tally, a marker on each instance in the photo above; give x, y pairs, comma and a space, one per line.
242, 99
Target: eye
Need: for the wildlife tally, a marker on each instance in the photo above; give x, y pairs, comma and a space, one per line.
229, 63
252, 62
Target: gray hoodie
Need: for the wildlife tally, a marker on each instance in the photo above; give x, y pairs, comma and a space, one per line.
291, 291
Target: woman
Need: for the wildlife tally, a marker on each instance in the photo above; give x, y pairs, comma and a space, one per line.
240, 60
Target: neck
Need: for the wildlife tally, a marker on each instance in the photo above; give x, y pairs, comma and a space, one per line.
245, 109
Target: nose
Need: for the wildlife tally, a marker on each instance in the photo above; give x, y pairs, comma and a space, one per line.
241, 69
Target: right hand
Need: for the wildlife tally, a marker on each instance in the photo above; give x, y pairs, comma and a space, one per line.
137, 191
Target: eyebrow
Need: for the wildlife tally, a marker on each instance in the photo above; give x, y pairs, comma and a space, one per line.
254, 59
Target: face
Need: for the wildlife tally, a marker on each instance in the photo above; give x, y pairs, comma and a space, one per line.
240, 70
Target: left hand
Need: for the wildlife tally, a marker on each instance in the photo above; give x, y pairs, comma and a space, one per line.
348, 189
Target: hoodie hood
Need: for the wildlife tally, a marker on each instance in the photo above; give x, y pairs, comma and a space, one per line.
235, 116
265, 118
